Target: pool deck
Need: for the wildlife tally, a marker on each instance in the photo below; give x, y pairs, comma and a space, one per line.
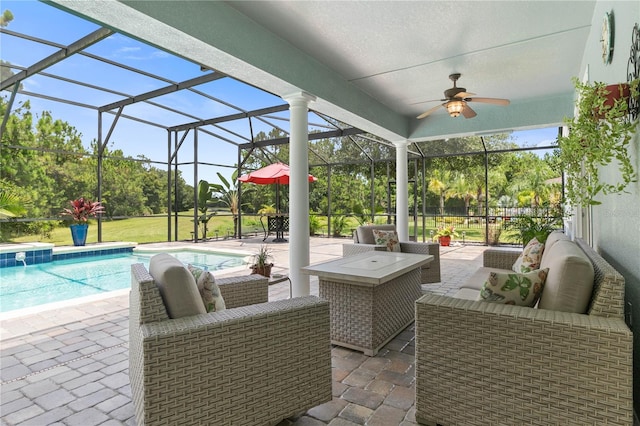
68, 365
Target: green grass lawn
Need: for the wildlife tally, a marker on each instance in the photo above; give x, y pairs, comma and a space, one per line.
154, 229
140, 230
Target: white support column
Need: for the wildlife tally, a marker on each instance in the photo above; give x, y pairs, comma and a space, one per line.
299, 191
402, 191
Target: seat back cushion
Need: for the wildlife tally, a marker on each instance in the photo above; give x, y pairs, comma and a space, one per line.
177, 286
208, 289
388, 239
555, 236
364, 233
569, 284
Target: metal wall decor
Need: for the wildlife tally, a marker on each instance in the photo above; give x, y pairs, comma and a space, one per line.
633, 69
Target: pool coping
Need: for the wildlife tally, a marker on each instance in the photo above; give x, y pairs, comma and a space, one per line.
137, 248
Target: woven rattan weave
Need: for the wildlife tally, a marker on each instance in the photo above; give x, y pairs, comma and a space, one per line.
367, 317
481, 363
248, 365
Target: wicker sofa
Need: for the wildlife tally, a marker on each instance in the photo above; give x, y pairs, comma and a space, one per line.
363, 241
254, 363
481, 363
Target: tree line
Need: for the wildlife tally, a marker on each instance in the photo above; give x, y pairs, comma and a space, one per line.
452, 181
45, 165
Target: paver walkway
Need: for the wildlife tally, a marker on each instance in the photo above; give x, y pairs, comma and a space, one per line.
69, 366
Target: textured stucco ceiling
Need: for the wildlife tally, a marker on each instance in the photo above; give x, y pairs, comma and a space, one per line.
374, 64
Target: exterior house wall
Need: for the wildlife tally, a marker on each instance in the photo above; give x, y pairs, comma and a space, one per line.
615, 224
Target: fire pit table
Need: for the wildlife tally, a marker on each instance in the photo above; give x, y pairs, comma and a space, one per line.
371, 296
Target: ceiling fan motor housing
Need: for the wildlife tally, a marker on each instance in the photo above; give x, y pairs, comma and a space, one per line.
451, 93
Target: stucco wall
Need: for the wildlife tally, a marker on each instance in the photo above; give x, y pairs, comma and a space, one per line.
616, 223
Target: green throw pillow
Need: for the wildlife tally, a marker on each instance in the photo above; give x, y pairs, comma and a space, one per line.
209, 290
512, 288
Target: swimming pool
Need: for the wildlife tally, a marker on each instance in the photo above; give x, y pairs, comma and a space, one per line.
34, 285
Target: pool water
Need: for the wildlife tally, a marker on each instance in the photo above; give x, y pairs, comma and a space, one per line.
33, 285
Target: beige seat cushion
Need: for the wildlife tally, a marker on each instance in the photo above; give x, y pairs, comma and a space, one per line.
467, 293
177, 286
569, 283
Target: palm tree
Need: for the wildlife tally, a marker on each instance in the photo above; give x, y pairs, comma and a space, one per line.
464, 189
439, 184
228, 195
205, 194
11, 203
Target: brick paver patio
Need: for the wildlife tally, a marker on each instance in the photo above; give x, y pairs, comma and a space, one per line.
69, 366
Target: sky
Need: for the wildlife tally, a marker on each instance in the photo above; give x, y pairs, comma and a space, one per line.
42, 21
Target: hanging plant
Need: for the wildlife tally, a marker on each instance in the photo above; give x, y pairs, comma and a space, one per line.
599, 135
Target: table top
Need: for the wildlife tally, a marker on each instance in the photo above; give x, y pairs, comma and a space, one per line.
369, 268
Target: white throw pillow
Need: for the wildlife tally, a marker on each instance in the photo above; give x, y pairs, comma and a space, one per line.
387, 238
514, 289
530, 258
209, 290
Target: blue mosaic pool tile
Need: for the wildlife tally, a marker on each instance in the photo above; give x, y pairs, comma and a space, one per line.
34, 257
31, 257
92, 253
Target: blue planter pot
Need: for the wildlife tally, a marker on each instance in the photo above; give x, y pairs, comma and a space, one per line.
79, 233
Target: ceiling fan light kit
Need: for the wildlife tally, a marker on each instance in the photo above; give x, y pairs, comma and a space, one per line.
455, 107
456, 101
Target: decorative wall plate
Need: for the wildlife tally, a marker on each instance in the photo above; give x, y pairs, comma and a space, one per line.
608, 33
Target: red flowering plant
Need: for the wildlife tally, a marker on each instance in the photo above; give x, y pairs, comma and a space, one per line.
82, 209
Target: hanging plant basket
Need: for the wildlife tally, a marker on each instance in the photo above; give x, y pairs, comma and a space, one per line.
599, 136
612, 94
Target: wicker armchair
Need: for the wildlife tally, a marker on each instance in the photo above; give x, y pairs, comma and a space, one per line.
363, 241
481, 363
247, 365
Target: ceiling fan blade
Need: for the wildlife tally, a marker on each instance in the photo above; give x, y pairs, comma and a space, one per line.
467, 112
494, 101
424, 114
463, 95
430, 100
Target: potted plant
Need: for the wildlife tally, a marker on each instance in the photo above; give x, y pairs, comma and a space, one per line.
444, 235
599, 134
81, 210
261, 262
534, 226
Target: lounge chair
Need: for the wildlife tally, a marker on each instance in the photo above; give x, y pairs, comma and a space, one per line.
363, 241
245, 365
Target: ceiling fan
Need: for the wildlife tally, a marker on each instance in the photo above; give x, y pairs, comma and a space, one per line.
457, 99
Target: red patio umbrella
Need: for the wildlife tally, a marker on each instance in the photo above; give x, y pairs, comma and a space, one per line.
273, 173
277, 173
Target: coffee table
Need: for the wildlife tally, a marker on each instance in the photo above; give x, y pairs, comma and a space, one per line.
371, 296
